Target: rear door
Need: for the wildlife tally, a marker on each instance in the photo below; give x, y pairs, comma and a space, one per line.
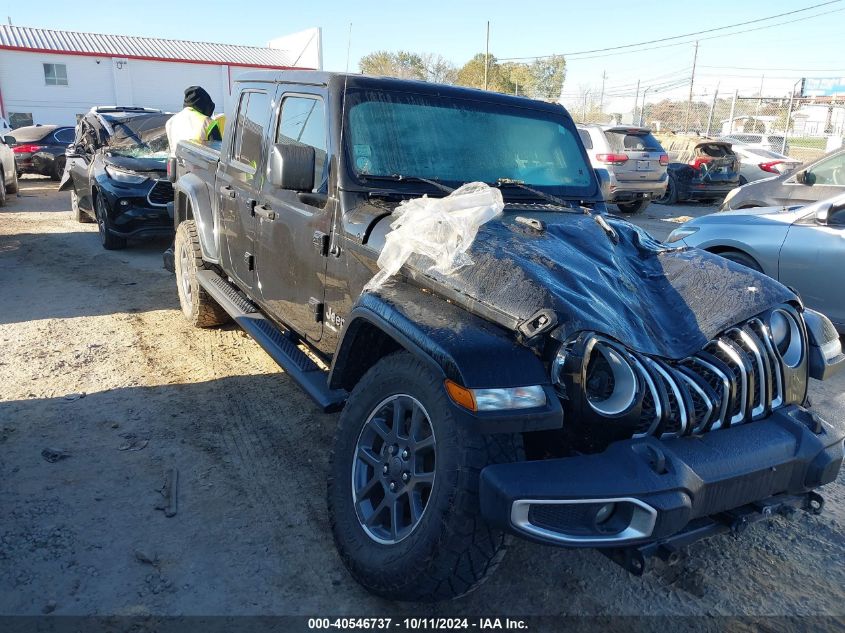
240, 175
812, 259
643, 152
293, 228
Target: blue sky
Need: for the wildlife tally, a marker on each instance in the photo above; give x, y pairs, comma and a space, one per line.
456, 30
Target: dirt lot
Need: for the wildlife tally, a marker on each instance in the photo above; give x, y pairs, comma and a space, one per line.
83, 535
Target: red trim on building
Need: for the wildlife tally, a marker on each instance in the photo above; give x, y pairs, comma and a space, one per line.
146, 58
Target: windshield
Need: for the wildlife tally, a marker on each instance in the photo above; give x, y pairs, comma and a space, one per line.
139, 136
459, 140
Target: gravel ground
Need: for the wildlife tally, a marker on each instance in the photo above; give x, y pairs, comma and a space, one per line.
98, 366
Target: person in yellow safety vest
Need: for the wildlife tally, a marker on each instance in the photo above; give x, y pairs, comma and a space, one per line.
220, 120
194, 122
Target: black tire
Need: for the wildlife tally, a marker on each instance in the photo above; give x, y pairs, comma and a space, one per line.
637, 206
58, 169
670, 196
450, 550
197, 305
2, 189
743, 181
76, 211
15, 186
741, 258
109, 241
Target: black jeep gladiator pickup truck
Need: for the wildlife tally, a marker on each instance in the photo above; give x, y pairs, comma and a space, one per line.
578, 384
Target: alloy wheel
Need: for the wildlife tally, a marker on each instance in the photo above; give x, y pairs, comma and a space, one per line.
393, 469
185, 272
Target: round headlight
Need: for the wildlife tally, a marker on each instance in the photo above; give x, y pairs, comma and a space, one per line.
611, 383
786, 335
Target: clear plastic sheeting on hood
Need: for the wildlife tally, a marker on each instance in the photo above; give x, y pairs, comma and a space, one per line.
439, 229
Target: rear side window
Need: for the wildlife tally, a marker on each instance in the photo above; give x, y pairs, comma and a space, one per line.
585, 138
64, 137
303, 122
249, 133
637, 142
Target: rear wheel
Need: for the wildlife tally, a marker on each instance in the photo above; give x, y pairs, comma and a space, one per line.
78, 214
670, 196
742, 258
633, 207
109, 241
2, 189
197, 305
403, 487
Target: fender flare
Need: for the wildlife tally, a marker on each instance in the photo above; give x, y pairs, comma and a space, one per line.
191, 200
454, 343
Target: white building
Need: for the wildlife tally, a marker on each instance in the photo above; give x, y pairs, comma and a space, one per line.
51, 76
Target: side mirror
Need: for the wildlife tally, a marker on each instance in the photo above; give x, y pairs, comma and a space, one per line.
292, 167
9, 139
604, 182
823, 213
805, 177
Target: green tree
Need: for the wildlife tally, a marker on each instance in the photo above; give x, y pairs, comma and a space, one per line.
520, 77
403, 64
472, 75
548, 75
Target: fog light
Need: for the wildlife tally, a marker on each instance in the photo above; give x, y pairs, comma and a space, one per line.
604, 513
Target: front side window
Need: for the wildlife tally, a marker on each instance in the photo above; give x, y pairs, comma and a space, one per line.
55, 74
828, 172
457, 140
303, 122
249, 134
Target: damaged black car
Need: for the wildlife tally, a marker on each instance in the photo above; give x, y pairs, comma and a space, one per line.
116, 173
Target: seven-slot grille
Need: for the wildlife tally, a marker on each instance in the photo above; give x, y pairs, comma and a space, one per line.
161, 193
736, 378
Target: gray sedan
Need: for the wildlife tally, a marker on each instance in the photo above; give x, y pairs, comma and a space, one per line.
801, 246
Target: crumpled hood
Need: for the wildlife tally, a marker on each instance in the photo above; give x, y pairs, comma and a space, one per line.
657, 300
140, 165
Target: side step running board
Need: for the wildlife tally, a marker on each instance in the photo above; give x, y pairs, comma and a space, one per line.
280, 345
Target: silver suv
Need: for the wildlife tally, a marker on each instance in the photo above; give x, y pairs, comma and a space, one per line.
635, 160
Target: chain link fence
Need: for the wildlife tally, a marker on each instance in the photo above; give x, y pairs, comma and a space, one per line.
804, 128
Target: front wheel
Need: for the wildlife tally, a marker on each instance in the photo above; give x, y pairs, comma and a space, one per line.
15, 186
741, 258
58, 169
403, 487
2, 189
109, 241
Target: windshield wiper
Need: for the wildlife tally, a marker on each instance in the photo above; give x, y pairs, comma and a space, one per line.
403, 178
518, 184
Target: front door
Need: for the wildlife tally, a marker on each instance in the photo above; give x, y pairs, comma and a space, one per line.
240, 176
294, 228
812, 259
824, 180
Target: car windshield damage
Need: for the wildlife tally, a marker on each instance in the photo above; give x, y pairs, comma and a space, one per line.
454, 141
139, 136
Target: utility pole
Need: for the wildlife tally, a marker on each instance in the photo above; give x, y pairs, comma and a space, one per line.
760, 96
691, 82
487, 55
636, 101
733, 111
712, 107
601, 99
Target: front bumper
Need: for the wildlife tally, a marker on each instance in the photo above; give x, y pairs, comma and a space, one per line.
132, 216
659, 486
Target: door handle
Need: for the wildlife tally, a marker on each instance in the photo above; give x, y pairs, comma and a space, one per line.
264, 212
226, 190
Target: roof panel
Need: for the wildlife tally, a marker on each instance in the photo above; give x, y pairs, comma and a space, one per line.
132, 46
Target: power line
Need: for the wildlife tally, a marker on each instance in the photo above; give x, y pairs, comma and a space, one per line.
677, 37
711, 37
797, 70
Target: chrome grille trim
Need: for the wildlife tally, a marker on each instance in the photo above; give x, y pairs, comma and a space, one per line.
740, 368
676, 392
726, 391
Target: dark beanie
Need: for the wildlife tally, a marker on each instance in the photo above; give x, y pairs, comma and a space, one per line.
198, 99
